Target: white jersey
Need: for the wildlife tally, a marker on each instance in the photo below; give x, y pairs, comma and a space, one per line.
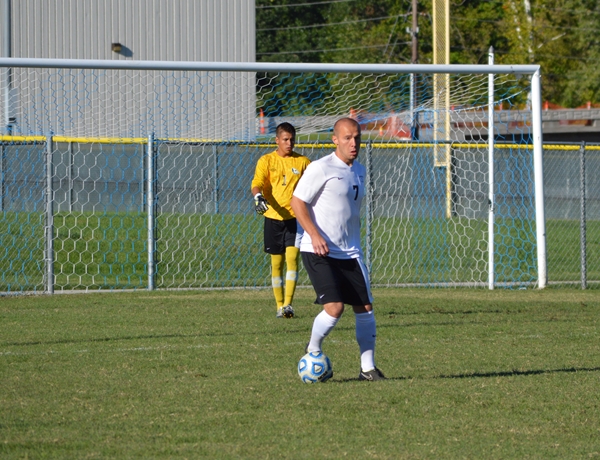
333, 192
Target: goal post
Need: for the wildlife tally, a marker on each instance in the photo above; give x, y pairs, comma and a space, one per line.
538, 152
143, 168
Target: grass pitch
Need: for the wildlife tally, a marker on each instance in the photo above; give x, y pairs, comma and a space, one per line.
212, 374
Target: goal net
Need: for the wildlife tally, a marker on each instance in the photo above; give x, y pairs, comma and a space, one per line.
129, 175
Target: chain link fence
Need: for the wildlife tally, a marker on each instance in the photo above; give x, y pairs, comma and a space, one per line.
205, 233
572, 206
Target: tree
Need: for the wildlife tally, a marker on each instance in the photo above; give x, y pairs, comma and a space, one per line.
560, 35
288, 33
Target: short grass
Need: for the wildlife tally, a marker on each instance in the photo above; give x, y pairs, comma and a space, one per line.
212, 374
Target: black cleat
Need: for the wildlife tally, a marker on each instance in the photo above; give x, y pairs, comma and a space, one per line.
374, 374
287, 311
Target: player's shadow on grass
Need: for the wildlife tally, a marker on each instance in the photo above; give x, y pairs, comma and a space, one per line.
439, 311
462, 322
474, 375
516, 372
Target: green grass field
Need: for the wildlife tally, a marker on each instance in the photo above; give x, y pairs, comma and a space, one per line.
212, 374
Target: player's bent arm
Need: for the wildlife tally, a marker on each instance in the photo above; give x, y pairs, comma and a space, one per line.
303, 217
260, 176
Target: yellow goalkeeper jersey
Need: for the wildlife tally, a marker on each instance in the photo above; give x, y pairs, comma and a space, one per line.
277, 177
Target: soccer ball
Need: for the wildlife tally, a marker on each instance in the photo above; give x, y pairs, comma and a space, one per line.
315, 367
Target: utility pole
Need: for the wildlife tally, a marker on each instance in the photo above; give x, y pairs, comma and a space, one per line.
414, 33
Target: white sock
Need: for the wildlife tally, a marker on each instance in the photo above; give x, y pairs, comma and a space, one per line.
322, 326
365, 336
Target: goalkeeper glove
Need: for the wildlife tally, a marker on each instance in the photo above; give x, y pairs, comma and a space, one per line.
260, 204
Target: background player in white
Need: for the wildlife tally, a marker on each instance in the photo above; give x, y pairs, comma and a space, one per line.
275, 178
327, 205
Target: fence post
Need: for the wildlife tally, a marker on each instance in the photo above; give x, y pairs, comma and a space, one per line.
71, 192
49, 256
582, 224
216, 175
150, 210
215, 184
2, 173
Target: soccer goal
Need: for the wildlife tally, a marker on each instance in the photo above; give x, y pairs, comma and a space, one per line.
136, 175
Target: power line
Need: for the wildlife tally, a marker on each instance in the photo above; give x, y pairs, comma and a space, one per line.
546, 26
574, 58
328, 50
572, 11
264, 7
548, 56
537, 7
570, 58
332, 24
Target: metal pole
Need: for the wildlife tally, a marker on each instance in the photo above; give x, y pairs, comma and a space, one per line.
369, 206
449, 182
9, 118
281, 67
216, 174
150, 209
491, 197
412, 105
414, 114
2, 174
538, 166
49, 218
70, 177
582, 225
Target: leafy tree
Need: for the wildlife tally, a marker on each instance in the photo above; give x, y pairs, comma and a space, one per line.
475, 26
560, 35
286, 34
571, 53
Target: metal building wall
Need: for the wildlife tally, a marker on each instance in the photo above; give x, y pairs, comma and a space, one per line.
158, 30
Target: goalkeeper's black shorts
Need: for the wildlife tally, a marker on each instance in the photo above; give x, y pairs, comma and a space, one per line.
279, 234
338, 280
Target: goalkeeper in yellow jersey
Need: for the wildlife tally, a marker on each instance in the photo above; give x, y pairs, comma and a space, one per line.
275, 179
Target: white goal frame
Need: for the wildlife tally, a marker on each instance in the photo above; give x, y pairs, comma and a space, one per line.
531, 71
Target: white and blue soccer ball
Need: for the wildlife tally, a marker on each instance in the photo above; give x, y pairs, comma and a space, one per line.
315, 367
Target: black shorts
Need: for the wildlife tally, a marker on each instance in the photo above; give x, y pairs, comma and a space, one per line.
338, 280
279, 234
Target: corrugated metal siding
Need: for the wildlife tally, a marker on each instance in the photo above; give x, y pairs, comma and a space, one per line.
173, 30
135, 103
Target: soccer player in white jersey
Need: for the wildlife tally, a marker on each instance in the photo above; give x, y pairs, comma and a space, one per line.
326, 203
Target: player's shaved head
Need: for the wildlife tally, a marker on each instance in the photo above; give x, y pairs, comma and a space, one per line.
345, 122
346, 137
